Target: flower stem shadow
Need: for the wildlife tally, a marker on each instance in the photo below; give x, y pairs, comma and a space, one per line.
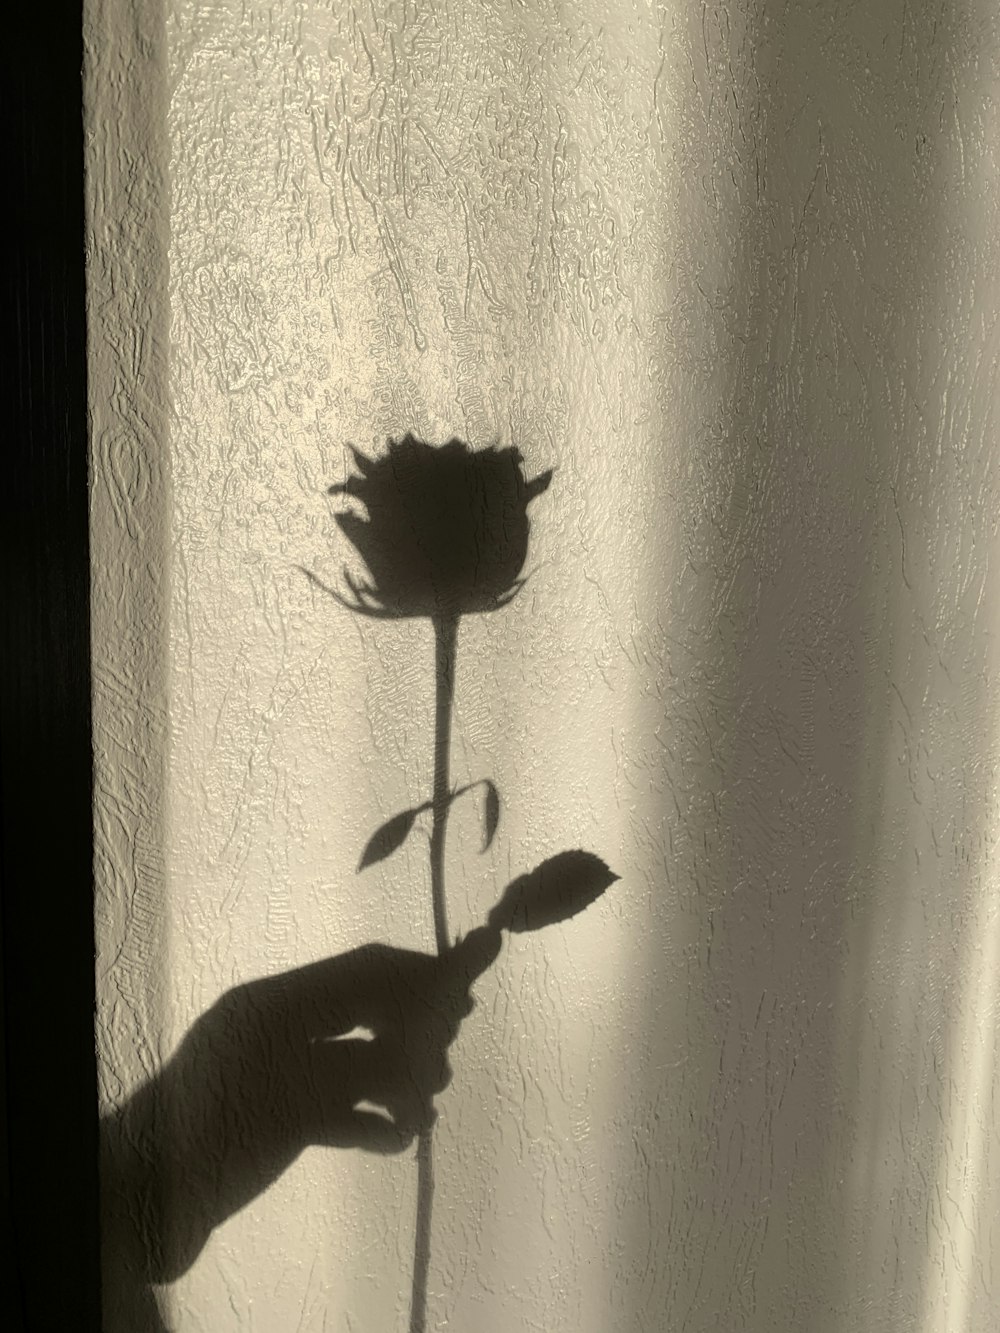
444, 533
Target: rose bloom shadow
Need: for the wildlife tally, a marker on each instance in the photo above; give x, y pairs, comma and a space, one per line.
446, 532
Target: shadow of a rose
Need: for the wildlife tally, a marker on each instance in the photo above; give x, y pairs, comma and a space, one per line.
446, 531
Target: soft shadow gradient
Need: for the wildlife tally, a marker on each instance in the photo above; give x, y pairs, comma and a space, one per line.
832, 836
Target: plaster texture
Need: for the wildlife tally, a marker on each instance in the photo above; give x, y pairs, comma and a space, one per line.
732, 271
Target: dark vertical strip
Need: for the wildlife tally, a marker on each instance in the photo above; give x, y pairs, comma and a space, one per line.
445, 641
445, 646
49, 1089
422, 1231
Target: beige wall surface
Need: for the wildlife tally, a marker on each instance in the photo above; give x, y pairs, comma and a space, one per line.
732, 270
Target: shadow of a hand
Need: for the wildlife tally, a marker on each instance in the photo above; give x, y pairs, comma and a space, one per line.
347, 1052
372, 1088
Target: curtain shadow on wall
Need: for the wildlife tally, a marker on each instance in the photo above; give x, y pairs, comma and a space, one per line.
837, 627
125, 114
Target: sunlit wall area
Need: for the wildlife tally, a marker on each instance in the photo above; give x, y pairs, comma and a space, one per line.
846, 430
730, 274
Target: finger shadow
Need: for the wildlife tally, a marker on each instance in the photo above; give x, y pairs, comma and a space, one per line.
345, 1053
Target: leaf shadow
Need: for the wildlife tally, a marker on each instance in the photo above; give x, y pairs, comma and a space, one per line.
391, 835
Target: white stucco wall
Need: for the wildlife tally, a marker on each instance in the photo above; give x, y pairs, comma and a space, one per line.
733, 272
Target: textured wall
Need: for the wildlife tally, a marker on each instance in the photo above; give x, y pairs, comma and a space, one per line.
733, 272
